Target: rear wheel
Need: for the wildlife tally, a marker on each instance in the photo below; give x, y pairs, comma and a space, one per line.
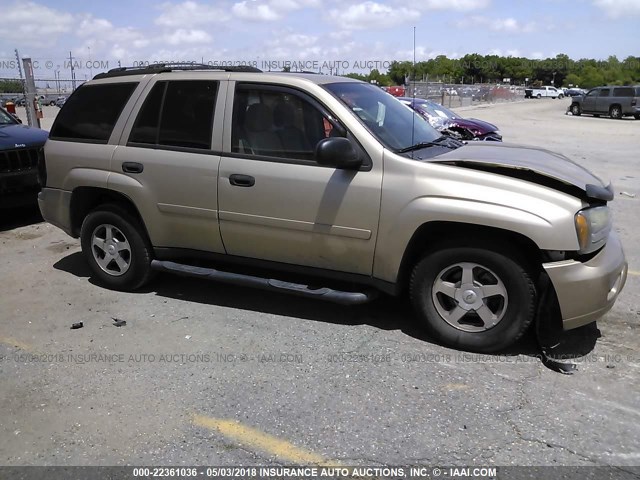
473, 298
615, 112
116, 248
575, 110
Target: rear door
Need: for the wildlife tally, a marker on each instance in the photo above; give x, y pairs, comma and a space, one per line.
624, 97
167, 161
276, 202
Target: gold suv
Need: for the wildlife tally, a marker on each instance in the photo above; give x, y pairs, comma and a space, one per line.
329, 188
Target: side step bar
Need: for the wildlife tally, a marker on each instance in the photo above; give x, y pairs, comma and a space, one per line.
327, 294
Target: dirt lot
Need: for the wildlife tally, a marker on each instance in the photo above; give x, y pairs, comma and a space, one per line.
210, 374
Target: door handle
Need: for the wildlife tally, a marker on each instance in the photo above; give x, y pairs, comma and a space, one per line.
242, 180
132, 167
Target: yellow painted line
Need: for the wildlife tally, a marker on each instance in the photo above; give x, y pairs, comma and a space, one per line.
634, 273
12, 342
251, 437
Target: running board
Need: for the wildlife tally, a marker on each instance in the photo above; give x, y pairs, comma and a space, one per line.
324, 293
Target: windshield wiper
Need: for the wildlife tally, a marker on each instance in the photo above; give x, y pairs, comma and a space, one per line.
438, 142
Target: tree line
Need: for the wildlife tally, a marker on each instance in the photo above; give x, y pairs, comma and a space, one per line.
560, 71
10, 86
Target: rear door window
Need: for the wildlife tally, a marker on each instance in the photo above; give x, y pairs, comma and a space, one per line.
90, 114
177, 114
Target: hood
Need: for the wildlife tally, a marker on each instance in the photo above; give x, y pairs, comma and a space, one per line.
529, 163
474, 124
21, 136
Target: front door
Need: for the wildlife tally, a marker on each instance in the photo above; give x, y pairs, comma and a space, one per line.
589, 102
276, 203
603, 102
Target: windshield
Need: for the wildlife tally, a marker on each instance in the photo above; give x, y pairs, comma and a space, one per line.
6, 119
437, 110
396, 126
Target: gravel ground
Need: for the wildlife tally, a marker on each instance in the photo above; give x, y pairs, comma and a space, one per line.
356, 385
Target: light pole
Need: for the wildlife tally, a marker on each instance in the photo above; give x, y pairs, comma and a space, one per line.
90, 63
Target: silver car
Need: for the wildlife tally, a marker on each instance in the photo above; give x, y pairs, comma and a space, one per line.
328, 188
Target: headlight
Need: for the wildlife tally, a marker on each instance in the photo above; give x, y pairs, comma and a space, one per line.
592, 226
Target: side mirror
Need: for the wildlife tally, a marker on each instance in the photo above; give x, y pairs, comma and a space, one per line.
337, 152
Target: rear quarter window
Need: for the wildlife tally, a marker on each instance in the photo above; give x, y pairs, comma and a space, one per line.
91, 112
623, 92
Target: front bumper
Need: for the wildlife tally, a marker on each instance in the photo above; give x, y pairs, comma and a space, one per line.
55, 208
586, 291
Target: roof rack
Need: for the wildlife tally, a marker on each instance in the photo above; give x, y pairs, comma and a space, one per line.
170, 67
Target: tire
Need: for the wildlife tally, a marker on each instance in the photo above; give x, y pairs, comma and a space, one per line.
52, 104
575, 110
561, 96
615, 112
637, 116
538, 96
129, 265
508, 312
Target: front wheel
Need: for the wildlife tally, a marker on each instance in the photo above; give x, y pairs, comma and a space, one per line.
575, 110
116, 248
473, 298
539, 96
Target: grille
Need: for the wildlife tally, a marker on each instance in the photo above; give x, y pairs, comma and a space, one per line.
21, 160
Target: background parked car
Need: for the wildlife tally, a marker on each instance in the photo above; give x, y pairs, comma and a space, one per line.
575, 92
60, 101
615, 101
19, 147
443, 119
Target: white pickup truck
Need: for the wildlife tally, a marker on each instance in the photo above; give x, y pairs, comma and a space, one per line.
539, 92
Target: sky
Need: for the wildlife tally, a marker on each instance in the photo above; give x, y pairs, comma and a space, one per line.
352, 35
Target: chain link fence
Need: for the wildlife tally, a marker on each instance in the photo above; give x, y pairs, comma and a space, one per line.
462, 95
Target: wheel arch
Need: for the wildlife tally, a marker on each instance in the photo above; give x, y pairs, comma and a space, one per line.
86, 199
432, 235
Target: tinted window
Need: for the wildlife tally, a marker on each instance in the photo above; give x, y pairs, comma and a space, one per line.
623, 92
91, 112
187, 114
592, 93
276, 123
177, 114
604, 92
145, 130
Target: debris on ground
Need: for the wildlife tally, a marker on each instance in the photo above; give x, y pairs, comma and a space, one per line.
627, 194
75, 326
118, 323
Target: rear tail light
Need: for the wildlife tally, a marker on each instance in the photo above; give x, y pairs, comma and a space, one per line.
42, 168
